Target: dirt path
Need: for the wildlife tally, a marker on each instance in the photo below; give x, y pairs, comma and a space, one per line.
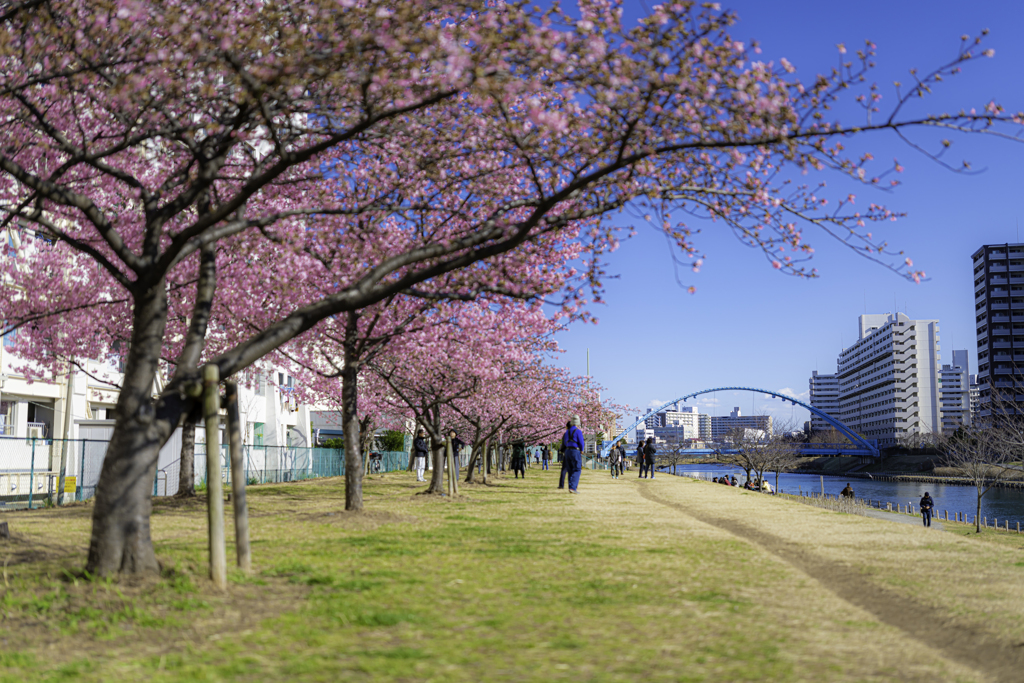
956, 638
901, 519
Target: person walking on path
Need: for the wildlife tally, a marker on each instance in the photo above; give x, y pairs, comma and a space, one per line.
419, 447
641, 460
847, 492
615, 461
572, 452
649, 451
545, 457
561, 458
519, 459
927, 505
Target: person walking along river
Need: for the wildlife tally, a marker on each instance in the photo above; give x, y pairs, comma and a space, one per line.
926, 505
572, 453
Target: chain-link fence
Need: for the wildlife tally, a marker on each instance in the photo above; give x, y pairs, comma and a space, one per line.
30, 468
275, 464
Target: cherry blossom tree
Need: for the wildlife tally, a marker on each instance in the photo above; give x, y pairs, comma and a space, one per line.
289, 162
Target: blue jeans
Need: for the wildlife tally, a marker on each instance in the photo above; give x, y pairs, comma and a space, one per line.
545, 464
926, 517
573, 460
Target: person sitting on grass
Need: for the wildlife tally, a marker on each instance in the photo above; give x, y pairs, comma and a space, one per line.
847, 492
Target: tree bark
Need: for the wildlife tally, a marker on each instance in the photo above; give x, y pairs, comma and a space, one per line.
437, 476
241, 508
350, 420
187, 462
473, 458
120, 540
488, 457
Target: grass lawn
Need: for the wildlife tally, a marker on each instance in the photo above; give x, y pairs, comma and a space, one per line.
663, 580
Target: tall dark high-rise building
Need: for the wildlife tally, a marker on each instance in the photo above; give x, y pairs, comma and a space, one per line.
999, 315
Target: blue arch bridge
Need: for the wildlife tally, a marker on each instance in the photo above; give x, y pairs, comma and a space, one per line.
858, 445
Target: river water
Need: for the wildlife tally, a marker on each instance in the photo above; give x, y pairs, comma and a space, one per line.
1001, 504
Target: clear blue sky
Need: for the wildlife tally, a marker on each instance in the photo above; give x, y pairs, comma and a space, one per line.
749, 325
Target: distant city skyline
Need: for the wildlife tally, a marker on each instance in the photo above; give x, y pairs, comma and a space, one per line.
747, 325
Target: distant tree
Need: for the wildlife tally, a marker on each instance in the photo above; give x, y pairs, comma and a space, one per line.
981, 455
391, 440
782, 452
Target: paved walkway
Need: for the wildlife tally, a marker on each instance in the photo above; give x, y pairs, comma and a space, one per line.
901, 518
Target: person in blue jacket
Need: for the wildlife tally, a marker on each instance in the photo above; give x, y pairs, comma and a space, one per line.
572, 447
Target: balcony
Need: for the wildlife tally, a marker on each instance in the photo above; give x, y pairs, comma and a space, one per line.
1002, 345
1003, 307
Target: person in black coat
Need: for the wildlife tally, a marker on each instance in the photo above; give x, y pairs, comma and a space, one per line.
561, 459
420, 450
457, 445
926, 505
649, 451
519, 459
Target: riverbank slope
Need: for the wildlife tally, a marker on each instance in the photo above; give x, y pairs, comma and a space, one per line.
664, 580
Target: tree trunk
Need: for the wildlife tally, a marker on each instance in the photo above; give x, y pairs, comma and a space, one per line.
366, 431
485, 454
437, 476
187, 467
350, 422
473, 458
120, 540
977, 516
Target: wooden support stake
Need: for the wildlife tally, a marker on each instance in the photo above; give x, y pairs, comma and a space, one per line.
214, 486
238, 482
485, 461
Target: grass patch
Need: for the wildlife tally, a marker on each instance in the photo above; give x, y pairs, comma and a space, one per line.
513, 581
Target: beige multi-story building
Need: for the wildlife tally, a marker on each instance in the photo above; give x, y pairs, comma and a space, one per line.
955, 393
889, 379
722, 425
824, 395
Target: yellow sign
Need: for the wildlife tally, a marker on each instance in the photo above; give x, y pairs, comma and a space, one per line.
70, 484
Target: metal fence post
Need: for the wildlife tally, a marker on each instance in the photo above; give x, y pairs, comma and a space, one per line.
80, 487
32, 474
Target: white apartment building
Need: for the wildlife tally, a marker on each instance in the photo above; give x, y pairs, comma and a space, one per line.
722, 425
955, 393
78, 407
889, 379
678, 424
824, 395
